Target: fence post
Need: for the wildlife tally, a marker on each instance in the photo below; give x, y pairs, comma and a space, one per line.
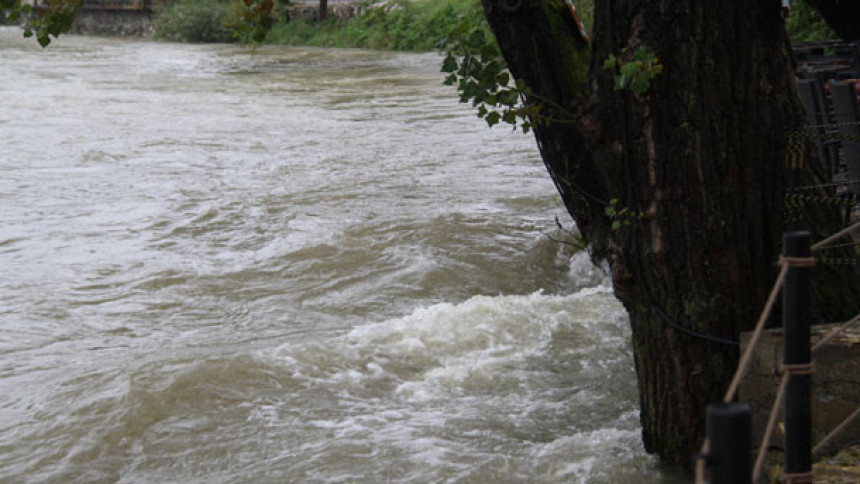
728, 428
796, 320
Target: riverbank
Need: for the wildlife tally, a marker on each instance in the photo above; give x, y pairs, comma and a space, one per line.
399, 25
416, 25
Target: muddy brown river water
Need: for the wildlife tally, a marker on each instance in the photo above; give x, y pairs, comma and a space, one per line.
221, 264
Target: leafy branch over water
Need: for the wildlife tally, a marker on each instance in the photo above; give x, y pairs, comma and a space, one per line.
475, 66
48, 20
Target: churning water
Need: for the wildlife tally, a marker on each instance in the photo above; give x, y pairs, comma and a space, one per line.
223, 264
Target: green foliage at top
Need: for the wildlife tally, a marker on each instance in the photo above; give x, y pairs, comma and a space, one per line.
407, 25
10, 11
194, 21
804, 24
255, 20
474, 64
213, 20
476, 67
49, 20
636, 69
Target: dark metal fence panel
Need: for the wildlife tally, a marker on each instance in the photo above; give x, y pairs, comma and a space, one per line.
847, 114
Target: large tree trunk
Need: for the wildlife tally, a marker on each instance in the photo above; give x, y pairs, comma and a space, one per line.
323, 11
700, 155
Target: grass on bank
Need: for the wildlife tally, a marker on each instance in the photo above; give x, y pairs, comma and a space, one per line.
195, 20
409, 25
415, 25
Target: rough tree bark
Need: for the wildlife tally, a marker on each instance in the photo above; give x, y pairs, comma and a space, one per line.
323, 11
700, 154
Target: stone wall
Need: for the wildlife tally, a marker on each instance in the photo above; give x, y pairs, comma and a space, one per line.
342, 12
835, 385
113, 22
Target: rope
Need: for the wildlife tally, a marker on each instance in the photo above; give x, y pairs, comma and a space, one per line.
835, 431
841, 246
745, 360
771, 423
835, 236
797, 262
701, 462
846, 326
780, 396
828, 185
797, 369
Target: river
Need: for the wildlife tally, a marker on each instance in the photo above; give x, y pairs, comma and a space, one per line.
223, 264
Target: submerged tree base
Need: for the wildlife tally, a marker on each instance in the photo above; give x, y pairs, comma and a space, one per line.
698, 155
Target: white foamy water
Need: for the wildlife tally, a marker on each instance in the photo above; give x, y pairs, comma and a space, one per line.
223, 264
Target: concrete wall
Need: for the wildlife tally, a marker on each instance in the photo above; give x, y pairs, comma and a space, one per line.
341, 11
835, 385
113, 22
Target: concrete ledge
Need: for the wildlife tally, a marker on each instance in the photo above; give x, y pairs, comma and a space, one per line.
835, 385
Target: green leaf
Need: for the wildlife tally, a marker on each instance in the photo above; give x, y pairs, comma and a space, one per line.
616, 225
493, 118
640, 85
610, 62
476, 39
503, 78
630, 68
488, 51
449, 64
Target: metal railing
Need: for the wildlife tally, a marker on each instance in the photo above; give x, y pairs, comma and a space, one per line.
725, 453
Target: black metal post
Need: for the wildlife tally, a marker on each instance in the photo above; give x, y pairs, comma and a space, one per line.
796, 321
728, 428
